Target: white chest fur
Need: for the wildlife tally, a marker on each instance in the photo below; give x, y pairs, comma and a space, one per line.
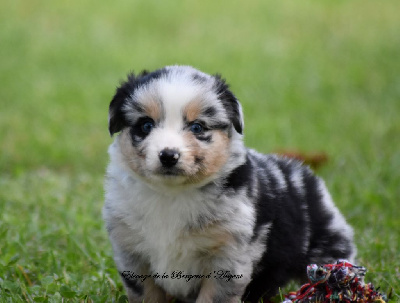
162, 227
157, 227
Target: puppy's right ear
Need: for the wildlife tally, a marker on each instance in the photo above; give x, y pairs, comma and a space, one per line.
116, 116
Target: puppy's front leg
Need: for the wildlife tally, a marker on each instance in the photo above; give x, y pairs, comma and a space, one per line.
152, 293
214, 291
139, 284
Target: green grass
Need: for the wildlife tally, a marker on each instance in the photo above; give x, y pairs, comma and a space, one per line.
312, 76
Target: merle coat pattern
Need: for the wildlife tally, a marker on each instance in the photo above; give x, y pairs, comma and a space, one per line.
183, 194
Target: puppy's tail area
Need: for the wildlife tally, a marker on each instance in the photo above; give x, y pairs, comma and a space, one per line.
314, 159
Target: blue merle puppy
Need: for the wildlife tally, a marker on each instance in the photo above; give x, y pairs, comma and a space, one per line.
183, 194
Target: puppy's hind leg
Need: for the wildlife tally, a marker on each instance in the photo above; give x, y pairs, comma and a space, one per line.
332, 237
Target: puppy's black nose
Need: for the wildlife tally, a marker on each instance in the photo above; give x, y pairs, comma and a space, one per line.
169, 157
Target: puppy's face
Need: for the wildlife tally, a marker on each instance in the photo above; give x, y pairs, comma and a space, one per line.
176, 124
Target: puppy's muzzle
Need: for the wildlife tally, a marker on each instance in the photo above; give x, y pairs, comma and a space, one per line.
169, 157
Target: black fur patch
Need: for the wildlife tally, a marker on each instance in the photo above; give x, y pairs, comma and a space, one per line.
135, 285
297, 219
240, 176
117, 119
136, 131
146, 77
209, 112
230, 103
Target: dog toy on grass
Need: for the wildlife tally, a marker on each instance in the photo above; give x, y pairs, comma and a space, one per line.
340, 282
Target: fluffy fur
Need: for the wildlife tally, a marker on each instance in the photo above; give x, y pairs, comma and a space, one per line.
184, 195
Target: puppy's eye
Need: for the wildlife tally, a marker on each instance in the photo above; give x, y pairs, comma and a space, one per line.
196, 128
147, 126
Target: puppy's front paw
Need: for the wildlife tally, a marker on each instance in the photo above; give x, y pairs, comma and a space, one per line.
234, 299
210, 294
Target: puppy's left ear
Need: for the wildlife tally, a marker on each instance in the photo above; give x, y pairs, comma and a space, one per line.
116, 117
230, 103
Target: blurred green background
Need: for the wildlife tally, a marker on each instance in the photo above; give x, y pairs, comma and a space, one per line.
311, 75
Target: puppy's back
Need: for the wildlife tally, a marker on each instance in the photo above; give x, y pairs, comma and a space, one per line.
306, 226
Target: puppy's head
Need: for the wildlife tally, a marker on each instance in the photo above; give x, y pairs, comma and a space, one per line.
176, 124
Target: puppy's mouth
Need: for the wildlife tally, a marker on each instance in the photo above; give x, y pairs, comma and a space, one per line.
170, 172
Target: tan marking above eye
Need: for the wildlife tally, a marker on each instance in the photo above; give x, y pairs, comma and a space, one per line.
192, 110
152, 108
